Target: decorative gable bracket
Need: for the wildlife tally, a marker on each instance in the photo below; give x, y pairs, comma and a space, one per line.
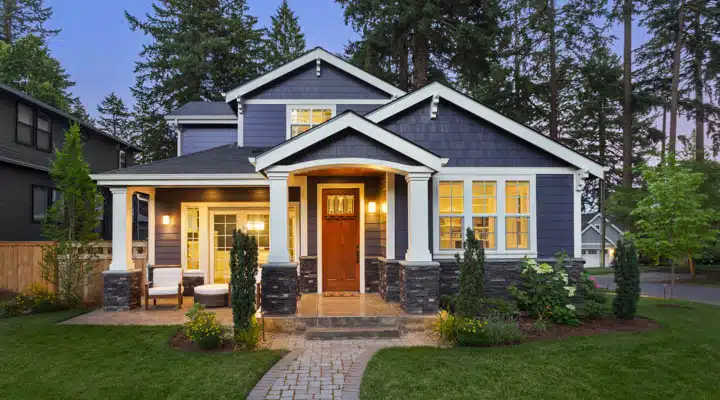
582, 175
434, 106
317, 67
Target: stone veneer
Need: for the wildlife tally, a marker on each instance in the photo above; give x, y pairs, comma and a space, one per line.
389, 287
121, 290
308, 279
372, 273
419, 287
279, 288
499, 274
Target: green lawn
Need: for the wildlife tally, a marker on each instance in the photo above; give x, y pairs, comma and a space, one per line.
679, 361
42, 360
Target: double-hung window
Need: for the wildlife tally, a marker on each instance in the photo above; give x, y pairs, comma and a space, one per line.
302, 118
44, 133
42, 198
24, 133
497, 209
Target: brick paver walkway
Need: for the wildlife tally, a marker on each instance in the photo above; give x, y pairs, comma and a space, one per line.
323, 369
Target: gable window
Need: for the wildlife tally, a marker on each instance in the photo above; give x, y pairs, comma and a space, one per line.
122, 160
24, 134
498, 209
303, 118
44, 133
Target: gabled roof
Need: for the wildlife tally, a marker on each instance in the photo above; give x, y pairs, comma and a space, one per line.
317, 53
194, 108
47, 107
348, 119
446, 93
590, 224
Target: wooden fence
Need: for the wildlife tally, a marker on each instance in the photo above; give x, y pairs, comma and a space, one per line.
21, 266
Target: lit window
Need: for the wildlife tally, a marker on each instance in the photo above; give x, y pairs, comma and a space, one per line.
338, 204
24, 125
451, 218
484, 209
304, 118
192, 233
517, 214
258, 226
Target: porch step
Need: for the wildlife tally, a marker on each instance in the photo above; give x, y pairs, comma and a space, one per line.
351, 333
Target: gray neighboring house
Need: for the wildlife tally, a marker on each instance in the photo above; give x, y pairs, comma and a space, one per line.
349, 184
591, 242
30, 130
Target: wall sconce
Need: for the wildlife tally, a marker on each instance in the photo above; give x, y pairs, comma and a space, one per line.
372, 207
384, 208
166, 219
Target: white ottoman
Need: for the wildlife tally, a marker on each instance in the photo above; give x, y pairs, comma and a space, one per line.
214, 295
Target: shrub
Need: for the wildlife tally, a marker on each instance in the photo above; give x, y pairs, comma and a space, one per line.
445, 327
11, 308
501, 308
494, 331
596, 302
40, 300
546, 292
249, 338
540, 327
627, 279
243, 266
592, 309
202, 328
447, 303
472, 272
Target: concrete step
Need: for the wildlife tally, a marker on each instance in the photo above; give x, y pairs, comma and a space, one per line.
352, 333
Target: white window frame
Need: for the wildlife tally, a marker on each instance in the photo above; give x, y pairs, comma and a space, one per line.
473, 214
500, 250
507, 215
290, 107
462, 215
122, 159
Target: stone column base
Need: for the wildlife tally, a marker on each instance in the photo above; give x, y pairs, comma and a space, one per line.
420, 287
308, 274
121, 290
279, 288
372, 273
390, 280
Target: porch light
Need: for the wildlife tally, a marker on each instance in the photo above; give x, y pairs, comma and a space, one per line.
372, 207
384, 208
166, 219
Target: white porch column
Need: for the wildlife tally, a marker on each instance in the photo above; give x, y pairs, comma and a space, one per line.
278, 217
418, 217
121, 230
151, 225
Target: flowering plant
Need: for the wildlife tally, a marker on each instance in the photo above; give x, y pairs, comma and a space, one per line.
546, 291
202, 328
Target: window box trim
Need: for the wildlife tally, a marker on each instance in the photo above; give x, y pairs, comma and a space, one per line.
500, 250
290, 107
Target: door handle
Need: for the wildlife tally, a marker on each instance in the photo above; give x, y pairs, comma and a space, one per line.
357, 254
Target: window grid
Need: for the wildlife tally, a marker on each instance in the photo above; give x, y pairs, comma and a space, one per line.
44, 133
24, 134
451, 221
484, 212
517, 215
305, 118
193, 238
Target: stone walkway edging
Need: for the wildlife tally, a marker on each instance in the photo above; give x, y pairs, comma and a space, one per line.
277, 371
351, 387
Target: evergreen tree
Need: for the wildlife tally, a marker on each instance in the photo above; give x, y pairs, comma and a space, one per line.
472, 272
243, 268
197, 51
114, 117
78, 110
21, 18
627, 279
285, 40
28, 66
149, 129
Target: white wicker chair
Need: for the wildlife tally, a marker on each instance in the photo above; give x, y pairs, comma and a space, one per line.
167, 282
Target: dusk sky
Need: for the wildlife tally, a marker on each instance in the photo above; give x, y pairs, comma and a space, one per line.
98, 49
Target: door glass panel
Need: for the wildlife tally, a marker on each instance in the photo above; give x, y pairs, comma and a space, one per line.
223, 227
258, 226
192, 233
340, 204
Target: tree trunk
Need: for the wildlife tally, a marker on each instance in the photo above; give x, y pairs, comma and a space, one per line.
516, 100
402, 61
553, 72
10, 6
674, 89
627, 100
421, 61
664, 136
691, 264
601, 139
699, 109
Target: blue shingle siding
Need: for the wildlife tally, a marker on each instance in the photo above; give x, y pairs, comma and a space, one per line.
361, 109
349, 144
199, 139
264, 125
331, 84
401, 217
466, 140
555, 214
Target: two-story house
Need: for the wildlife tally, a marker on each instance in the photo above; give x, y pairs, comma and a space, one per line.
30, 130
349, 184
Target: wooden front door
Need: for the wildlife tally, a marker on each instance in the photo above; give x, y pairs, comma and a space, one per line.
341, 239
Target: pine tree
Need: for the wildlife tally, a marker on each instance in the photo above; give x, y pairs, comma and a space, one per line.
627, 279
21, 18
197, 51
149, 129
28, 66
285, 41
472, 272
114, 117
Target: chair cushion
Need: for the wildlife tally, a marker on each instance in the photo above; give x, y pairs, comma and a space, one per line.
162, 290
215, 288
167, 276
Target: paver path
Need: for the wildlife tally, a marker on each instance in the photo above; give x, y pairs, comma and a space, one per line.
323, 369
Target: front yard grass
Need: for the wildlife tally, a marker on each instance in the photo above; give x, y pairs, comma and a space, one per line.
42, 360
681, 360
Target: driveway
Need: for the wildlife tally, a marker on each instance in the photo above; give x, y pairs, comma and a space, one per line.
650, 286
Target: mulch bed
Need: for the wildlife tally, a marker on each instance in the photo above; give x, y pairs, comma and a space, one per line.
181, 342
588, 328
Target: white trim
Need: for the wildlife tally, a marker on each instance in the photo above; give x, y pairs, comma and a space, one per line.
317, 101
312, 56
151, 224
380, 165
577, 214
599, 233
310, 106
204, 118
122, 177
500, 250
320, 187
491, 116
507, 170
155, 180
607, 222
302, 180
357, 123
390, 216
185, 183
240, 123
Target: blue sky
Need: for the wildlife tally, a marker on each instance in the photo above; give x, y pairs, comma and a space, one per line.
98, 49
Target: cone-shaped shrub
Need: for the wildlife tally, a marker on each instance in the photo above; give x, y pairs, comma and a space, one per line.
472, 271
627, 280
243, 268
